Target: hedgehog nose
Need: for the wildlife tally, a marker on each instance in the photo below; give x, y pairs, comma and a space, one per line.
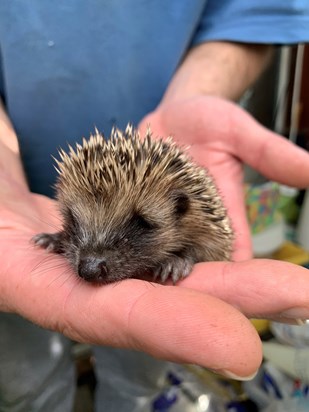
93, 269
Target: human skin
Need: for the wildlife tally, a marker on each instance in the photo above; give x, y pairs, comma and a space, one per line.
203, 320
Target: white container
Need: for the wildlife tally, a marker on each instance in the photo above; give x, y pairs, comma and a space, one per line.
294, 362
302, 232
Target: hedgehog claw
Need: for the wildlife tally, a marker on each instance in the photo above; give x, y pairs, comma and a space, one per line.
176, 268
52, 242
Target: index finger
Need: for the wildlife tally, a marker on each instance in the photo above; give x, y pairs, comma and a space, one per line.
260, 288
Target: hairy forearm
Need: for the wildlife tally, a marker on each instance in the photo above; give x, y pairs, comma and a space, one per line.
218, 68
10, 163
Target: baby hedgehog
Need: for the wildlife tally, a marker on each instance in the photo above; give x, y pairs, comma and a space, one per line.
135, 207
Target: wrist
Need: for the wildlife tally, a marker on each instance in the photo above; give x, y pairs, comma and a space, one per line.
11, 166
218, 68
10, 162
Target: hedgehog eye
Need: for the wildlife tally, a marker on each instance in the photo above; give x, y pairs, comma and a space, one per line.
182, 203
71, 221
140, 221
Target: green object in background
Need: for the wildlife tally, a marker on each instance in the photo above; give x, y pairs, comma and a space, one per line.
268, 203
287, 204
262, 203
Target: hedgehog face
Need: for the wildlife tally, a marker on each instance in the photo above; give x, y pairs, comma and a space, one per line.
107, 245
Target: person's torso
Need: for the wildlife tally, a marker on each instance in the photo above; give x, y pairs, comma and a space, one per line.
68, 67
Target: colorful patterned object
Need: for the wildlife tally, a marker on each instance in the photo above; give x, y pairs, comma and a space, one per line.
262, 203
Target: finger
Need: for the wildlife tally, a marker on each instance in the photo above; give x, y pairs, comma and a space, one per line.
272, 155
259, 288
237, 132
166, 321
170, 323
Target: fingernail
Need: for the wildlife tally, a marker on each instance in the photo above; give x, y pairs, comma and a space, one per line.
300, 322
296, 314
232, 375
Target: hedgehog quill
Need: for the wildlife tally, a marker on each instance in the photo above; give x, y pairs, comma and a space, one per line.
133, 207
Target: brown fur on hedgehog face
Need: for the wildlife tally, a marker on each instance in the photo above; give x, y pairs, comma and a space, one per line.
133, 207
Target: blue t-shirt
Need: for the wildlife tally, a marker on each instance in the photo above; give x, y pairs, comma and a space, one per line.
67, 67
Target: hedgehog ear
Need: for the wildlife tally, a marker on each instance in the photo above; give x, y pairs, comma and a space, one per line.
181, 203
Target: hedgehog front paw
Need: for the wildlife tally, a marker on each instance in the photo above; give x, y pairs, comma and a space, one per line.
176, 268
52, 242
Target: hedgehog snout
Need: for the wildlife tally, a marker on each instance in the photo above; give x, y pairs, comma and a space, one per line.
93, 269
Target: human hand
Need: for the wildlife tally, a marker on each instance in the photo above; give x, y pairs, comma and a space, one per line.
203, 321
222, 137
